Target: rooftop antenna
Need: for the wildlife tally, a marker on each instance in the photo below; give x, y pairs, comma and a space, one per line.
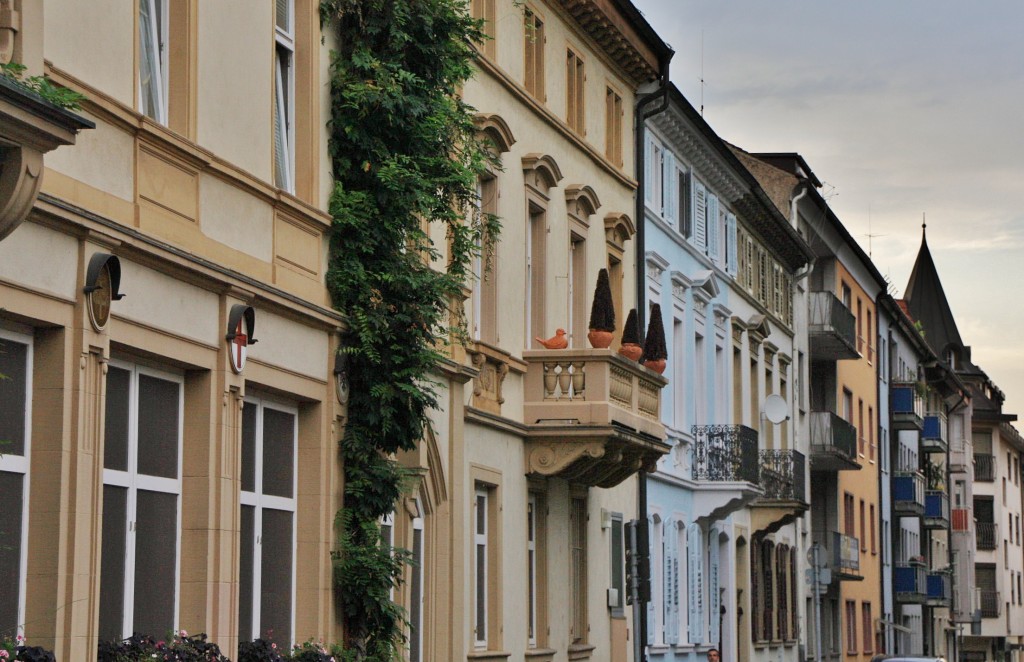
869, 235
702, 73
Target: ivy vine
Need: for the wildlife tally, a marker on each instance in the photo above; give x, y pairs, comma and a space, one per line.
405, 157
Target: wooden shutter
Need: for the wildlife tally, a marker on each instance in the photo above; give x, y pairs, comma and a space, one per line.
668, 187
685, 204
732, 254
700, 235
712, 224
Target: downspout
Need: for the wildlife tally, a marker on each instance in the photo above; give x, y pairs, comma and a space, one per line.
640, 117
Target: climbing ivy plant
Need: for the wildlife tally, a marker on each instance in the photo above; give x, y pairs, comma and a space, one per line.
406, 158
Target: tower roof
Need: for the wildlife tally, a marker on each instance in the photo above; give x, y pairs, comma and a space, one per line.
927, 302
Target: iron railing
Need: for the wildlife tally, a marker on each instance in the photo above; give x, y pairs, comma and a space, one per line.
782, 475
830, 432
829, 315
989, 603
986, 534
725, 453
841, 551
984, 467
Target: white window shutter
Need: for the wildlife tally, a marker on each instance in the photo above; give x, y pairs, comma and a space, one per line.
714, 601
668, 186
666, 580
672, 631
649, 171
712, 227
733, 254
651, 620
695, 546
700, 236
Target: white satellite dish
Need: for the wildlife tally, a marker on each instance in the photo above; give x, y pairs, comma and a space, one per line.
776, 409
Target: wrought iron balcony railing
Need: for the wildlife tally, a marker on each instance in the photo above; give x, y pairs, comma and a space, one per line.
990, 603
782, 475
984, 467
986, 535
832, 328
833, 442
725, 453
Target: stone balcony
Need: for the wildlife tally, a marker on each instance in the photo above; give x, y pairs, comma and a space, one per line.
593, 417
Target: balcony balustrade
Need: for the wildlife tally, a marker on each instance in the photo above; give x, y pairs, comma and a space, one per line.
984, 467
833, 443
908, 493
910, 583
593, 417
785, 490
832, 329
987, 535
907, 406
725, 453
842, 553
990, 603
934, 437
936, 509
940, 589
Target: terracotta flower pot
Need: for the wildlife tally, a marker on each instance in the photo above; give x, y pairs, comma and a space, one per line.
657, 366
600, 339
631, 351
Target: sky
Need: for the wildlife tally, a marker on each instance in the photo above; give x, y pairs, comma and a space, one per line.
902, 108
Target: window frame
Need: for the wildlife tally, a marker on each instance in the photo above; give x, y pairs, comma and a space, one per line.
131, 480
534, 41
158, 29
284, 99
256, 499
575, 90
481, 576
416, 580
22, 465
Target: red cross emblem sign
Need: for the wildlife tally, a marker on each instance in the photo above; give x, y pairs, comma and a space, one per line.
241, 323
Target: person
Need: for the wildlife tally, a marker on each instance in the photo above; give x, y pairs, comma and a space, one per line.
714, 655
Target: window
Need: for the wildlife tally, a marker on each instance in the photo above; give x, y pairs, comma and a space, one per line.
266, 581
15, 433
481, 563
578, 568
484, 10
153, 19
860, 326
284, 95
685, 201
613, 126
536, 233
618, 581
577, 303
141, 501
847, 295
848, 524
851, 626
863, 524
534, 48
860, 425
485, 287
870, 339
871, 525
575, 77
866, 629
871, 433
536, 528
416, 588
782, 584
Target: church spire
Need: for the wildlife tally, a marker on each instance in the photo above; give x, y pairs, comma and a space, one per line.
927, 303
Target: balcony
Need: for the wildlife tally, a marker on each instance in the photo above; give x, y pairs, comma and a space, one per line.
833, 443
785, 490
936, 510
940, 589
908, 493
907, 406
984, 467
724, 459
842, 553
990, 603
934, 438
910, 583
959, 459
832, 329
962, 520
593, 417
987, 535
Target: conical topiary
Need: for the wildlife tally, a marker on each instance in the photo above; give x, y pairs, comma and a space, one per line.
655, 352
602, 313
630, 347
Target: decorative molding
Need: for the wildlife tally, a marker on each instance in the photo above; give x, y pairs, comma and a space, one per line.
495, 129
582, 202
542, 173
618, 229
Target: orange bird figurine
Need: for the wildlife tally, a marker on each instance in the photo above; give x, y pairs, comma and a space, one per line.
557, 341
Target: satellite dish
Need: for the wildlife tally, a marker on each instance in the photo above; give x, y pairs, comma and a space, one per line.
776, 409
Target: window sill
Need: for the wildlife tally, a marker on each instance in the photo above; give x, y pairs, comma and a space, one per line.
658, 649
580, 651
488, 655
540, 654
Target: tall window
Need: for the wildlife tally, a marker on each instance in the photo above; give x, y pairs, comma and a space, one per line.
851, 626
578, 568
416, 588
485, 268
284, 95
531, 569
863, 524
484, 10
613, 126
871, 524
141, 502
577, 303
536, 233
618, 581
153, 19
266, 581
534, 49
866, 629
15, 435
481, 564
848, 514
575, 77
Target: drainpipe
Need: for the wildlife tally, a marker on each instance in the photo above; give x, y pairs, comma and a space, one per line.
640, 117
794, 218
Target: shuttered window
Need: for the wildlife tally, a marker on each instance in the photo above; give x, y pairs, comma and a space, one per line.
575, 79
15, 435
484, 10
613, 126
578, 568
534, 54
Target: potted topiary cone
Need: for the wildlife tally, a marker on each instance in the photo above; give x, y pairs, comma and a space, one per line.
631, 348
602, 313
655, 353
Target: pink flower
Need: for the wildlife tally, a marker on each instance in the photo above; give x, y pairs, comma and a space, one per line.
4, 654
182, 634
20, 638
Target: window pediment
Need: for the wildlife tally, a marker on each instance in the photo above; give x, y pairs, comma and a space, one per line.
541, 172
494, 129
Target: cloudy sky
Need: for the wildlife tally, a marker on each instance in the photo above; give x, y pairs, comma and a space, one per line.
901, 107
